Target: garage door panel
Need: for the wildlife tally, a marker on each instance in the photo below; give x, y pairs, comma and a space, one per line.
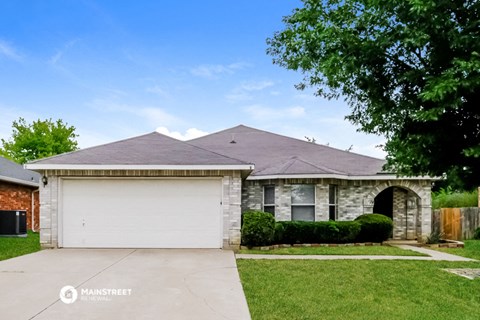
142, 213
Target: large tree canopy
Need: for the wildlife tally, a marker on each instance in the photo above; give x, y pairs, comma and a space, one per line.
409, 69
38, 140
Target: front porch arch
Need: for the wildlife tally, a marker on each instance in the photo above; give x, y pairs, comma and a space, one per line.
411, 210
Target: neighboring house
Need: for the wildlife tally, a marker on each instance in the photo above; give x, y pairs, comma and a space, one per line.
19, 191
154, 191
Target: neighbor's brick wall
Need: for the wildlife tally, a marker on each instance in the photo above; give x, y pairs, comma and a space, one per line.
18, 197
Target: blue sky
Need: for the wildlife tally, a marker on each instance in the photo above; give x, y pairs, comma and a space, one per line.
116, 69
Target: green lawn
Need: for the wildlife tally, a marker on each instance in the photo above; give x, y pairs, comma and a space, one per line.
14, 247
471, 250
348, 289
367, 250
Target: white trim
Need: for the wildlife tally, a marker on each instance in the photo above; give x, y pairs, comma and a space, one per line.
39, 166
19, 181
337, 176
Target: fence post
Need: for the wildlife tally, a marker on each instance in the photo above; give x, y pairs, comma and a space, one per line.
479, 197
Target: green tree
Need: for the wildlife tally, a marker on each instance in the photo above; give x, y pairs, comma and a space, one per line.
409, 69
38, 140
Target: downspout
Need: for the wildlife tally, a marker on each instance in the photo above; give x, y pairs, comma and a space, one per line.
33, 209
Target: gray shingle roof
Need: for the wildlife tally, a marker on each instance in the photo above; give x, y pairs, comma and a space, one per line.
275, 154
15, 173
149, 149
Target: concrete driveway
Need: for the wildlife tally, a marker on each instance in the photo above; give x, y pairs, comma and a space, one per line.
122, 284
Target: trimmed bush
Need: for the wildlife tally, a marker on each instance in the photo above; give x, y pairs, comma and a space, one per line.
374, 227
258, 228
292, 232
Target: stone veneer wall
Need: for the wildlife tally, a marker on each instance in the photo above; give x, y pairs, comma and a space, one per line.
355, 197
231, 202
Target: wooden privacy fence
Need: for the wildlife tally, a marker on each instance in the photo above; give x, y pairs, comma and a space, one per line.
456, 223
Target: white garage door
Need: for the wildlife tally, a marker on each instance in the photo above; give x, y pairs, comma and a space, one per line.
128, 213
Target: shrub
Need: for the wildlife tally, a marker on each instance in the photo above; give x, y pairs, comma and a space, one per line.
292, 232
348, 231
434, 237
374, 227
447, 198
476, 234
258, 228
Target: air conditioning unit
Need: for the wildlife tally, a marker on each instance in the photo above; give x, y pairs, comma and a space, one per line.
13, 223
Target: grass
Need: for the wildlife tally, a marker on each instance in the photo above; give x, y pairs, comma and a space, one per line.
471, 250
350, 250
350, 289
14, 247
447, 198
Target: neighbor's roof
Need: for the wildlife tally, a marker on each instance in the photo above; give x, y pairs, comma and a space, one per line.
280, 156
150, 151
15, 173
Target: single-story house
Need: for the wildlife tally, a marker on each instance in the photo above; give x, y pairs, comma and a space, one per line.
19, 191
154, 191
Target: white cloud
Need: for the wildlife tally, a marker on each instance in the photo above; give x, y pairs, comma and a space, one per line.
256, 85
259, 112
153, 115
9, 51
158, 91
210, 71
243, 91
191, 133
60, 53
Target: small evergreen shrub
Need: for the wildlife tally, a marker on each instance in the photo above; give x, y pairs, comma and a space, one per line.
434, 237
292, 232
476, 234
374, 227
348, 231
258, 228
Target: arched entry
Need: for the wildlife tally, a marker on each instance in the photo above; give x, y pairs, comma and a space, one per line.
402, 206
383, 203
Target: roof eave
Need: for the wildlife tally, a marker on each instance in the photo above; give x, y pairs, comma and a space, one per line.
19, 181
41, 167
337, 176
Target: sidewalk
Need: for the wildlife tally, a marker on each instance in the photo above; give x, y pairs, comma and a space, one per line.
433, 256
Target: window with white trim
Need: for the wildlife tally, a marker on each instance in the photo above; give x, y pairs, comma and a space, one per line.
333, 202
269, 199
303, 202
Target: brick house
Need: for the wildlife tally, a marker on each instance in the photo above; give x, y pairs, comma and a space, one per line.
154, 191
19, 191
300, 180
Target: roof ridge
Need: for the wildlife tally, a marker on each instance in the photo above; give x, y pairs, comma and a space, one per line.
217, 153
291, 138
321, 167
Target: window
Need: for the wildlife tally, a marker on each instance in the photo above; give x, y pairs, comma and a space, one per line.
333, 202
303, 202
269, 199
